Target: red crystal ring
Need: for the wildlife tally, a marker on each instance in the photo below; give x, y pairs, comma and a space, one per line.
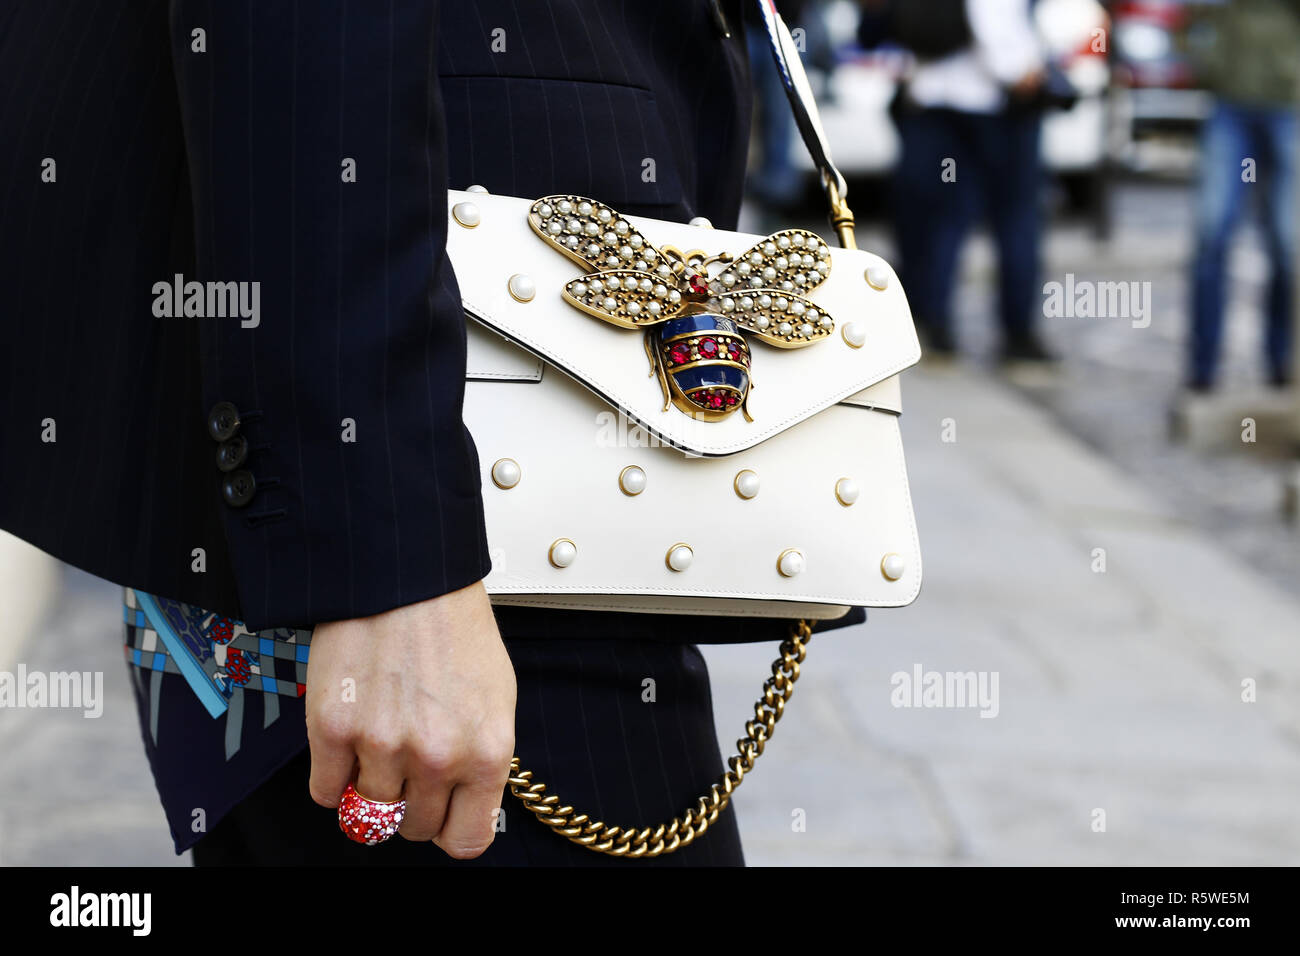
369, 821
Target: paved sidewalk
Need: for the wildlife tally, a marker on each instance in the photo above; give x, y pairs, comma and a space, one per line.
76, 791
1119, 691
28, 583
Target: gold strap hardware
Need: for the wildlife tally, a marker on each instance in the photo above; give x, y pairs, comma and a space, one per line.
841, 215
695, 821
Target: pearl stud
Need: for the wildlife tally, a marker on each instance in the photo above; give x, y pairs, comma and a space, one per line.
482, 190
632, 480
855, 333
847, 491
877, 277
790, 562
522, 287
505, 473
746, 484
679, 557
563, 553
466, 213
891, 566
702, 222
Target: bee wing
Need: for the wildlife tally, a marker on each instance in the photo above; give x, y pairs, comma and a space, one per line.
792, 260
625, 297
779, 318
592, 234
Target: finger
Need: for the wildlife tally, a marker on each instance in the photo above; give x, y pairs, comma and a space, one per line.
380, 777
332, 765
426, 808
471, 822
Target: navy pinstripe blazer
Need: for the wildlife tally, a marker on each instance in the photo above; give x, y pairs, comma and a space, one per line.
209, 139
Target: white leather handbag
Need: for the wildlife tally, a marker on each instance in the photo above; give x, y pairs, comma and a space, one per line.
601, 491
674, 418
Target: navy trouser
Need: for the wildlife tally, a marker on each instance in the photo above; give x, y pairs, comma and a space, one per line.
953, 168
1244, 150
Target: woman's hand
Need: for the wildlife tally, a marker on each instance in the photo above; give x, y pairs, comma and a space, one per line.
422, 700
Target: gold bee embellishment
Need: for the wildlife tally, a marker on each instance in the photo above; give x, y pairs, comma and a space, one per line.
695, 323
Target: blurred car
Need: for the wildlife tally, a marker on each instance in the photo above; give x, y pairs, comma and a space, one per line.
1154, 100
855, 105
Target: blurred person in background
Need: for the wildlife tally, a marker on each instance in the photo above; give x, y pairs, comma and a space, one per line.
774, 179
1247, 53
968, 116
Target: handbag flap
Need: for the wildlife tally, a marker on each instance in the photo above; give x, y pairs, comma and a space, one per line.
873, 338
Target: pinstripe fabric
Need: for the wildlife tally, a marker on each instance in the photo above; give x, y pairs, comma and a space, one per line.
410, 481
125, 489
225, 165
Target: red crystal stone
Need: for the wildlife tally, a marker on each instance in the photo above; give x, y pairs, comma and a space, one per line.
731, 400
698, 284
715, 401
708, 348
680, 354
367, 821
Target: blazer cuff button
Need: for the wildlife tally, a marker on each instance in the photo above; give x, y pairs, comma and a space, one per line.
223, 421
238, 487
232, 453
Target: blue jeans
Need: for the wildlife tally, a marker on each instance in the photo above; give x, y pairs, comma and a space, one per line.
996, 163
1232, 134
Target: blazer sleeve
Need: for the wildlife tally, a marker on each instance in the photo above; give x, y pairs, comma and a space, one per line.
317, 165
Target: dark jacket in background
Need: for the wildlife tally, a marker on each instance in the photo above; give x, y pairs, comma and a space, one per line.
1246, 51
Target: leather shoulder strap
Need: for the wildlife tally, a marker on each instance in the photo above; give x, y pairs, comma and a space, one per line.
798, 91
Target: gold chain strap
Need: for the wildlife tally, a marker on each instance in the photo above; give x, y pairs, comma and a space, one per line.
695, 821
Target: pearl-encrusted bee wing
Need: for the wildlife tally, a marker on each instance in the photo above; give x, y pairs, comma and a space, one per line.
761, 291
782, 319
792, 260
594, 235
625, 297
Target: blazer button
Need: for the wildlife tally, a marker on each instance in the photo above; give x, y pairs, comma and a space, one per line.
223, 421
232, 453
238, 488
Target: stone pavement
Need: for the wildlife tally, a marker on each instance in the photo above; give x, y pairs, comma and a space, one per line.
1119, 691
77, 790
